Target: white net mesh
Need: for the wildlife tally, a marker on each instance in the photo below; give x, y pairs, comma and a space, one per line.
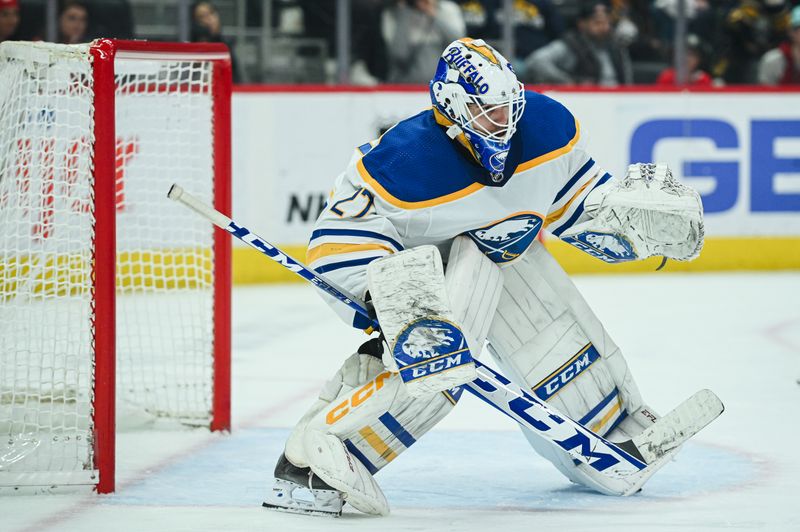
164, 118
46, 230
164, 135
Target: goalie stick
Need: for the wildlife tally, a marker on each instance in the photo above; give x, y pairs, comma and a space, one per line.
627, 465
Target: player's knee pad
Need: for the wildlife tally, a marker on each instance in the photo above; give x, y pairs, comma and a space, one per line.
546, 337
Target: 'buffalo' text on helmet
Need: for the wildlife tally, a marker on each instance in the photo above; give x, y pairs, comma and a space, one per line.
476, 89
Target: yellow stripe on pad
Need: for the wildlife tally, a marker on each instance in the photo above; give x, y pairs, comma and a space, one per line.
597, 426
378, 444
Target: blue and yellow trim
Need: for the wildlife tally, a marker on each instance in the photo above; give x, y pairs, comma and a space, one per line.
579, 211
549, 156
597, 427
474, 187
594, 355
616, 408
377, 443
325, 268
556, 215
409, 205
397, 429
326, 250
574, 179
355, 233
360, 457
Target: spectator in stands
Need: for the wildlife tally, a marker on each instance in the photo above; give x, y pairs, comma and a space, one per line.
416, 32
9, 19
535, 22
700, 14
112, 19
73, 22
207, 27
695, 66
367, 47
750, 29
587, 55
636, 27
781, 65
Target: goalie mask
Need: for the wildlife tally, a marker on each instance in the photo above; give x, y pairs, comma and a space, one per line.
476, 89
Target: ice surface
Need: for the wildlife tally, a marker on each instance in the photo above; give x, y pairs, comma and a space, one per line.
737, 334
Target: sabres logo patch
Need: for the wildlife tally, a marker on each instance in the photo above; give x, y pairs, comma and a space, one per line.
507, 239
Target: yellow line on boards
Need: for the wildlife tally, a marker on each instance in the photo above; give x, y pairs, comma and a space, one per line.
719, 254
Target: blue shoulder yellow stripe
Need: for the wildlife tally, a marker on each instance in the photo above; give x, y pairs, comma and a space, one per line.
416, 165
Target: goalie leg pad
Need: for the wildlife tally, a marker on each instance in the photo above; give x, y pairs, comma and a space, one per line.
358, 369
474, 284
547, 339
369, 412
327, 454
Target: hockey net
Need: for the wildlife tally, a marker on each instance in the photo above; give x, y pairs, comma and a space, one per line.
91, 137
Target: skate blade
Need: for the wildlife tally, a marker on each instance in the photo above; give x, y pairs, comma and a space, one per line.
287, 496
301, 510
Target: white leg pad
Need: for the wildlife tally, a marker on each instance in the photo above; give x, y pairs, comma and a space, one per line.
474, 284
356, 370
546, 338
368, 411
332, 462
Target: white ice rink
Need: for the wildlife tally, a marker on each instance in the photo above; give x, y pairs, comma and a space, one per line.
737, 334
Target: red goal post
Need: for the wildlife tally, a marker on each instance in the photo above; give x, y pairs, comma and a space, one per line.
115, 302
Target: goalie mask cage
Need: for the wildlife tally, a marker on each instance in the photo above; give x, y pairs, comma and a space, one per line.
107, 287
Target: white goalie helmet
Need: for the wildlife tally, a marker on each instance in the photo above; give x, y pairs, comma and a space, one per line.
476, 88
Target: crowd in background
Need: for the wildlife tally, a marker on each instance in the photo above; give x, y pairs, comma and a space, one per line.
580, 42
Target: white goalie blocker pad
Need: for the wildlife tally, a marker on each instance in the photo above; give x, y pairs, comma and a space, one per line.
645, 214
434, 327
547, 339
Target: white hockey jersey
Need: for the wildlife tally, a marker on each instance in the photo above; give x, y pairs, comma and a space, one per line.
416, 186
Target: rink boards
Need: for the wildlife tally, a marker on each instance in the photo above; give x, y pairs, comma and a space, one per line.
740, 149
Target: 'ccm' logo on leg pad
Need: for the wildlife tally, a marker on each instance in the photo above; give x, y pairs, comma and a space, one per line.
362, 394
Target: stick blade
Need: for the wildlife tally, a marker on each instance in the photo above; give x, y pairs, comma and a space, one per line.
672, 430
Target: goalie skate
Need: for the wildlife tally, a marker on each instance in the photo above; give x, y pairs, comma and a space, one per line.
298, 490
